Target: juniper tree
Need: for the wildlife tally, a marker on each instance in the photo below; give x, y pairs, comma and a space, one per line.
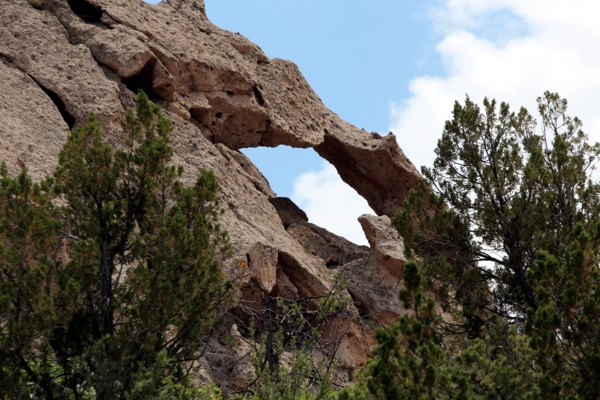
35, 296
130, 307
555, 356
409, 362
523, 203
502, 191
564, 329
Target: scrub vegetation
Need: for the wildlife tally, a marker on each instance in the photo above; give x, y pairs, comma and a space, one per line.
504, 231
111, 280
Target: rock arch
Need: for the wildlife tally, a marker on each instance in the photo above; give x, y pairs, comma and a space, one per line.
222, 94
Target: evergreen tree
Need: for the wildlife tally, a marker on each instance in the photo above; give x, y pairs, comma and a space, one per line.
409, 362
528, 323
557, 356
499, 192
564, 329
35, 295
406, 358
132, 304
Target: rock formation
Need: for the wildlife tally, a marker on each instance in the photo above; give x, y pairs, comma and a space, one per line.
73, 57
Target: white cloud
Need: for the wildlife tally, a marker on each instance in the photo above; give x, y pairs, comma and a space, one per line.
510, 50
330, 203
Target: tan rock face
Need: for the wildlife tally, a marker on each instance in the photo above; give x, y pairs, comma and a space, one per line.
241, 359
31, 128
332, 249
312, 242
288, 211
252, 101
120, 51
374, 291
262, 264
345, 250
222, 94
38, 44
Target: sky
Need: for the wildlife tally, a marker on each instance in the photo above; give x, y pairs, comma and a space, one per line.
399, 65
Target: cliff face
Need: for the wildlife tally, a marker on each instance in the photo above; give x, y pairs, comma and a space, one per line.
222, 93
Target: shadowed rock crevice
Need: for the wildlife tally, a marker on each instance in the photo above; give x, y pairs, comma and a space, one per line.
362, 310
60, 105
86, 11
259, 97
143, 80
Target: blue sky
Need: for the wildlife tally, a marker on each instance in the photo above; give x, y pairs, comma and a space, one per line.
400, 64
357, 58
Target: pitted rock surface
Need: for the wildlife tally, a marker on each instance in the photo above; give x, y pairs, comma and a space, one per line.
250, 100
37, 43
32, 130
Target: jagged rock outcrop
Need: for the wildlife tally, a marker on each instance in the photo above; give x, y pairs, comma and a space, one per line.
73, 57
219, 80
374, 281
332, 249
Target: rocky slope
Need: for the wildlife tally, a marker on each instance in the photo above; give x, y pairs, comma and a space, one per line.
73, 57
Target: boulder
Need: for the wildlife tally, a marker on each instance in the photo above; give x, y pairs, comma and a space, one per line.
120, 51
374, 281
262, 266
387, 247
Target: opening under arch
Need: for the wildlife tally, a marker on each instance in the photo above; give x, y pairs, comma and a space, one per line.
315, 186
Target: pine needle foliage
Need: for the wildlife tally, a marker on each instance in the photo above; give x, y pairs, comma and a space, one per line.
502, 190
505, 228
564, 329
125, 310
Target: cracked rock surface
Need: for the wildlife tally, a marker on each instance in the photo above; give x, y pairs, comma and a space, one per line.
223, 94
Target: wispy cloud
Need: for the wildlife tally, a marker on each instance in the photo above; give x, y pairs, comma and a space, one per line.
511, 50
330, 203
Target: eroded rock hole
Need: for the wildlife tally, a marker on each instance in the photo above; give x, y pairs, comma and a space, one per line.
362, 310
143, 80
62, 108
259, 97
86, 11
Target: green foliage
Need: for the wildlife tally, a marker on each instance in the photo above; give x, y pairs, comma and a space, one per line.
408, 362
406, 358
497, 194
289, 327
501, 230
564, 329
126, 312
30, 286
